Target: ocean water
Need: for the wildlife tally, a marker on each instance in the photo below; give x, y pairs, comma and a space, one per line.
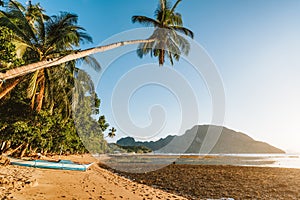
259, 160
262, 160
284, 161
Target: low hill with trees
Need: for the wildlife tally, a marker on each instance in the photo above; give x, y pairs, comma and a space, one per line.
229, 142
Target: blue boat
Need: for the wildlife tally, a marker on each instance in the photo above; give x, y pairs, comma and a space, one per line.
61, 164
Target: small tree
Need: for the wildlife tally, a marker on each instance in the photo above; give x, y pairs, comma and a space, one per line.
112, 132
102, 122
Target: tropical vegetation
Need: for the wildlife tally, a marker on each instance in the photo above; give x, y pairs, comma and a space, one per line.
136, 149
41, 105
46, 101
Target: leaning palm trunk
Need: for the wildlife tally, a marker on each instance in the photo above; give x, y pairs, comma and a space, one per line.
23, 70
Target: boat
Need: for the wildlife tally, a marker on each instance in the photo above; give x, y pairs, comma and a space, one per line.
46, 164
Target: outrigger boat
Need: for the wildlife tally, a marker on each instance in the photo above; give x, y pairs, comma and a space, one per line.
45, 164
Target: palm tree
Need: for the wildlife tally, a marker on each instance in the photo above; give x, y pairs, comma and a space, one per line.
39, 37
112, 132
167, 42
159, 44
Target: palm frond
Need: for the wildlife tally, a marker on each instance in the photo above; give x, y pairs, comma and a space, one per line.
21, 46
40, 26
16, 12
175, 5
7, 22
145, 21
170, 58
31, 90
183, 44
183, 30
14, 5
62, 32
144, 48
40, 97
173, 47
176, 19
84, 37
92, 61
162, 7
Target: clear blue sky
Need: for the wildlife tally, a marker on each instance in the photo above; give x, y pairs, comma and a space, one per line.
255, 45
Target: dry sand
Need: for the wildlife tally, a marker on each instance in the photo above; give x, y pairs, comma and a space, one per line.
96, 183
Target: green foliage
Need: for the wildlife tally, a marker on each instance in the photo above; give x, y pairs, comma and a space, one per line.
102, 122
136, 149
114, 148
51, 108
40, 37
44, 132
50, 132
86, 105
8, 55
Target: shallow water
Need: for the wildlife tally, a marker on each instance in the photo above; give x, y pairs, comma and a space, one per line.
261, 160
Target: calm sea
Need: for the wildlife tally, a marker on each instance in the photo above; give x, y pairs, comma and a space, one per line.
261, 160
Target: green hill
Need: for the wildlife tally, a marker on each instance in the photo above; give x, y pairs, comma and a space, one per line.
219, 140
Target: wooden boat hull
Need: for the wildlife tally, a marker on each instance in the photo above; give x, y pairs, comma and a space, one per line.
61, 165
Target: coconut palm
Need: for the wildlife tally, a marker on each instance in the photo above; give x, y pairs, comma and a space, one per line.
166, 18
167, 42
39, 37
112, 132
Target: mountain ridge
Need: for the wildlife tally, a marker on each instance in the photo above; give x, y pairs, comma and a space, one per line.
205, 139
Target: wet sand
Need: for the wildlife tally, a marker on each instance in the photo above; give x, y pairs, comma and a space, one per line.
217, 181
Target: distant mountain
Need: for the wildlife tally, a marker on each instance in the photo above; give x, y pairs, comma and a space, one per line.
219, 140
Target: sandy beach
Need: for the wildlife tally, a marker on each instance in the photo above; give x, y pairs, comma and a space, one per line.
96, 183
176, 181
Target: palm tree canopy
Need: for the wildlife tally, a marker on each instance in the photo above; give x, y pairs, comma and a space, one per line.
112, 132
38, 37
167, 42
159, 44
